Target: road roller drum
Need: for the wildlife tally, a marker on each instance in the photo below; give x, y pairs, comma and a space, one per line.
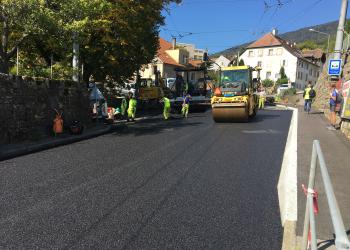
230, 113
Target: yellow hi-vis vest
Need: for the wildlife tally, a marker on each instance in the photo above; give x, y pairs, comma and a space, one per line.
307, 94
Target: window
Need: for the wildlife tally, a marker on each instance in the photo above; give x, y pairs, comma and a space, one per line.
260, 52
310, 72
268, 74
192, 76
307, 66
279, 51
251, 53
259, 63
270, 52
184, 59
302, 64
236, 81
306, 77
301, 75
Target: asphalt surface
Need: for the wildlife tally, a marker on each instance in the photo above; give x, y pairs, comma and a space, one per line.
178, 184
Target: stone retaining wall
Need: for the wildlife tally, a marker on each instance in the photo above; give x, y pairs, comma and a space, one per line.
27, 106
322, 91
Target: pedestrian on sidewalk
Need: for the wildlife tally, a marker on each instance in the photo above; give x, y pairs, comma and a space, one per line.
333, 98
309, 96
132, 107
186, 105
167, 107
262, 97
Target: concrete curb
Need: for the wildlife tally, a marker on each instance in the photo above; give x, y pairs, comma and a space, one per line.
287, 185
29, 149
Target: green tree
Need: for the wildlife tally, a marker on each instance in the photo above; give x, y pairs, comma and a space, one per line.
283, 79
307, 45
241, 62
18, 19
267, 83
115, 37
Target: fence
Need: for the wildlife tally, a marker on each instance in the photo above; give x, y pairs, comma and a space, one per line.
341, 240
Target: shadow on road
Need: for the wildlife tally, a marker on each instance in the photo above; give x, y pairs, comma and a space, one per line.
154, 126
325, 244
261, 116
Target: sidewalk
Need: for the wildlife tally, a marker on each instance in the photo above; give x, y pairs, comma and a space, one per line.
9, 151
336, 150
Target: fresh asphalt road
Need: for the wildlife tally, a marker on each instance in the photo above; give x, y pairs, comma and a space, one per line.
177, 184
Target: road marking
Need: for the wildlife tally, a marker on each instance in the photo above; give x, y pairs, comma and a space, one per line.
287, 184
265, 131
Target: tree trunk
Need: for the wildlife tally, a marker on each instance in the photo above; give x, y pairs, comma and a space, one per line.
4, 65
4, 60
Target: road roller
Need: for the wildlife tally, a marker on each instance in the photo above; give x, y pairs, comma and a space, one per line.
235, 99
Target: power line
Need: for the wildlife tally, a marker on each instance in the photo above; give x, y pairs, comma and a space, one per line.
297, 17
216, 2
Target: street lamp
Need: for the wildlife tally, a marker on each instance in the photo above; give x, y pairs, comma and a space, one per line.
323, 33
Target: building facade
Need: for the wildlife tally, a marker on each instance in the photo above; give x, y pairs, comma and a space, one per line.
194, 53
220, 61
169, 57
272, 52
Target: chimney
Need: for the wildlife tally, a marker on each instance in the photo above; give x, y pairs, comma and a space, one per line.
174, 42
274, 32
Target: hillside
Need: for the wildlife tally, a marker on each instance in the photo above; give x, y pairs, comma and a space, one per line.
297, 36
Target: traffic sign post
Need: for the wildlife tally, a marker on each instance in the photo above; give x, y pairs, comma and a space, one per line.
334, 67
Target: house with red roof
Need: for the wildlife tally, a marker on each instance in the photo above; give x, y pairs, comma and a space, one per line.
271, 52
169, 57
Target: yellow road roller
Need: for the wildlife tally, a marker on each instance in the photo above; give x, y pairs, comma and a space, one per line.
235, 99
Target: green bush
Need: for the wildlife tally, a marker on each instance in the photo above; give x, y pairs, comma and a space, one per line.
282, 81
267, 83
288, 92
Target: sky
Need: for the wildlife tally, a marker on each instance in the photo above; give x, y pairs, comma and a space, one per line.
220, 24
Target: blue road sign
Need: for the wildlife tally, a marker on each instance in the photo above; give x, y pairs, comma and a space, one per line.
334, 67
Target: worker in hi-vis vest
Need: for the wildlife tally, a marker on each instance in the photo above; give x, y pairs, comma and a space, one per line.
167, 107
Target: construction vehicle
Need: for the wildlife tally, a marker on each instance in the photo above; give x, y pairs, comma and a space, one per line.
235, 98
200, 91
149, 90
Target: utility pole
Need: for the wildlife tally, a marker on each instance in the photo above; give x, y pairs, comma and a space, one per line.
75, 58
51, 66
17, 61
340, 31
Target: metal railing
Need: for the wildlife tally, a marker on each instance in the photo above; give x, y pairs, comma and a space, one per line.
341, 240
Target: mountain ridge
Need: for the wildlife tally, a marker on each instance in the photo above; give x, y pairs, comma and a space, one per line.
297, 36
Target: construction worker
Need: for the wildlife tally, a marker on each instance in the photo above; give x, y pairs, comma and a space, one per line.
262, 97
186, 105
123, 108
132, 107
166, 111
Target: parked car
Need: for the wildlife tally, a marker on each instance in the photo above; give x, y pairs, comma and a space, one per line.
282, 87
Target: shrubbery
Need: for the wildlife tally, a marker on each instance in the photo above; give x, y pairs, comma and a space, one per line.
288, 92
267, 83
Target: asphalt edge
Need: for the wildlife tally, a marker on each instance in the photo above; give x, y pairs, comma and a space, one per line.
30, 149
287, 184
